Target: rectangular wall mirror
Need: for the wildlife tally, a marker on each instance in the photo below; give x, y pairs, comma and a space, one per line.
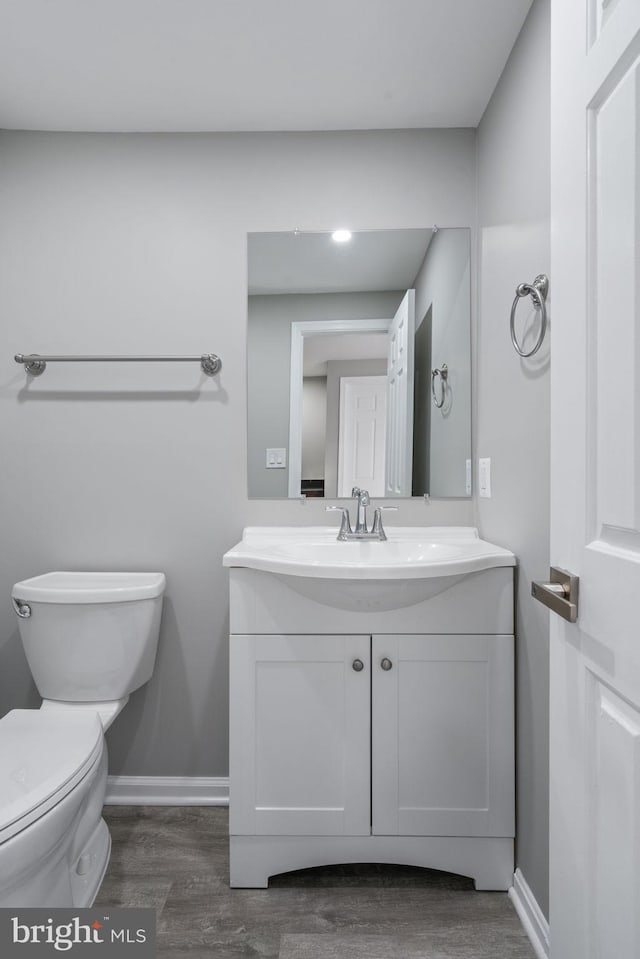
359, 363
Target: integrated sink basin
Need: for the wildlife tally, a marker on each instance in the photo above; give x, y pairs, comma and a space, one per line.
409, 553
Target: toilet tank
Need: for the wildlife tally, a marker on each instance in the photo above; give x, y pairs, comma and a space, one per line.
88, 636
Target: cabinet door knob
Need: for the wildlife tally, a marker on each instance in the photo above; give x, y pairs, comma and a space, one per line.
358, 665
386, 664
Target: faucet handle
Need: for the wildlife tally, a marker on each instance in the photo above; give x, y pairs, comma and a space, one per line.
345, 523
377, 526
355, 491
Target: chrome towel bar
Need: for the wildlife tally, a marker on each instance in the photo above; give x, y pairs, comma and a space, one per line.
35, 364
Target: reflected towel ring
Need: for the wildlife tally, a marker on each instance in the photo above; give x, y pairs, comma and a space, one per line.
538, 292
443, 373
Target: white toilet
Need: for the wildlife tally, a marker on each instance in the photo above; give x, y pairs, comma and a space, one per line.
90, 640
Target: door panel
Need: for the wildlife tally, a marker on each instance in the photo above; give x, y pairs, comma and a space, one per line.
361, 443
400, 399
595, 479
614, 208
613, 762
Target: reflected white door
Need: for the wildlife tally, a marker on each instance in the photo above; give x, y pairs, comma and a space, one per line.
361, 437
400, 399
595, 472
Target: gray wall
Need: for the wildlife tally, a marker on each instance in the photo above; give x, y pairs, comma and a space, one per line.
443, 286
314, 426
131, 243
513, 397
269, 367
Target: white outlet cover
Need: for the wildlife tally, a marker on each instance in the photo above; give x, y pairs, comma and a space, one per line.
484, 477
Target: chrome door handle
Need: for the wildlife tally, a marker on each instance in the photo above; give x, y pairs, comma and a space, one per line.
559, 595
386, 664
357, 665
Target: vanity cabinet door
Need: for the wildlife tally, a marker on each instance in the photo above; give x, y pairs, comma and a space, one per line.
442, 735
300, 735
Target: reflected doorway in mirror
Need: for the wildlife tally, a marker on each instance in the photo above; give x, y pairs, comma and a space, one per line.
308, 279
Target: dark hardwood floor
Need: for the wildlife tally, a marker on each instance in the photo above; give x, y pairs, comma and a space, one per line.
175, 860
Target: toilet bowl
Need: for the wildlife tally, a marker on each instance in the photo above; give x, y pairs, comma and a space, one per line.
90, 640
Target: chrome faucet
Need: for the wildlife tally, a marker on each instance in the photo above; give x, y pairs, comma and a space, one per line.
362, 495
361, 532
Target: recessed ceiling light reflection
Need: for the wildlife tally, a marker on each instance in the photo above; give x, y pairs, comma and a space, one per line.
341, 236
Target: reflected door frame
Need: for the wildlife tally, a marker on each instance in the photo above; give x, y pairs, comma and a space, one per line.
299, 331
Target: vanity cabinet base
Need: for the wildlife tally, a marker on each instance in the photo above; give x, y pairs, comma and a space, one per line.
488, 861
372, 736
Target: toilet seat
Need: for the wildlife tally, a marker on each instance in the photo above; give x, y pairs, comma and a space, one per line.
42, 757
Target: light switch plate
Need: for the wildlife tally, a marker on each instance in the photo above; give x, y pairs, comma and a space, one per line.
484, 478
276, 458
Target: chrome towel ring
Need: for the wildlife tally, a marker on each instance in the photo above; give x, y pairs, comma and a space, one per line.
538, 292
443, 373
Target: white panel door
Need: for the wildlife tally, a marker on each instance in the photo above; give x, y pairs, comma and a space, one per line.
361, 436
595, 473
442, 735
399, 445
299, 735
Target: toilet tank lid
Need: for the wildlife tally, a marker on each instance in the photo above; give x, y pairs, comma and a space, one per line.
40, 755
90, 587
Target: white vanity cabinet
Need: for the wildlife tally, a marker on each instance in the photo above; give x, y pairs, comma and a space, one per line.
371, 734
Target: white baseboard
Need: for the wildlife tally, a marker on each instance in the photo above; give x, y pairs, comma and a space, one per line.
167, 791
531, 915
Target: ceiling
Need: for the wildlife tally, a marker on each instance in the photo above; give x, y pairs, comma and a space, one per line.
298, 262
251, 65
319, 350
